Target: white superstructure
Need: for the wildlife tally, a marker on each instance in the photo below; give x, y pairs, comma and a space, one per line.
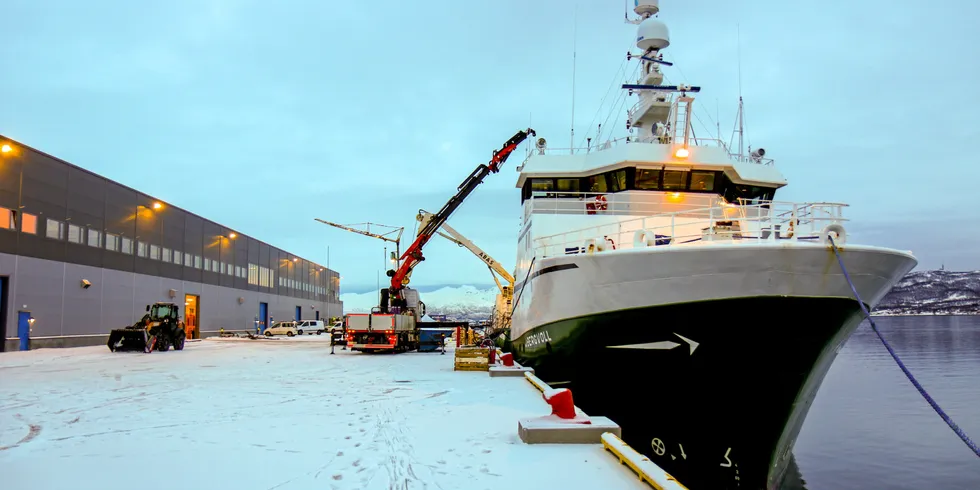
660, 190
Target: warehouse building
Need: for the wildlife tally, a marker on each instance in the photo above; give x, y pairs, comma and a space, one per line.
81, 255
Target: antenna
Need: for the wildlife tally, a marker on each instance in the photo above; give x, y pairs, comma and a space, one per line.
738, 56
574, 51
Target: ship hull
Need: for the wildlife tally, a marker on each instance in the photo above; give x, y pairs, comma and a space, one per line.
715, 389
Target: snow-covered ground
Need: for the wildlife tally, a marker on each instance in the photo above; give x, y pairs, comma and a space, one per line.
275, 414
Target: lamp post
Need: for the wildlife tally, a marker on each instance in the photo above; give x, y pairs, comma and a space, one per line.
8, 150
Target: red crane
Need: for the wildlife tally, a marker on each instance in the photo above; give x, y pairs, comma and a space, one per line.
413, 255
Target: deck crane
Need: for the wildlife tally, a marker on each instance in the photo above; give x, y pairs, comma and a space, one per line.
505, 299
413, 255
396, 230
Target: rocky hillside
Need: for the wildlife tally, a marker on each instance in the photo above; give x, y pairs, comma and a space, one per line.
933, 293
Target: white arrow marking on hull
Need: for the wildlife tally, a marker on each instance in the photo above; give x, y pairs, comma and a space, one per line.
682, 450
664, 345
694, 345
729, 464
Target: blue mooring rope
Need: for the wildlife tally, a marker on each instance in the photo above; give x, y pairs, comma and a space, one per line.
908, 374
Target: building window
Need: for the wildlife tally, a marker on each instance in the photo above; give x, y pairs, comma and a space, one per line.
7, 221
165, 254
231, 270
216, 266
188, 260
28, 223
197, 261
177, 257
253, 274
111, 242
154, 252
55, 230
94, 238
141, 249
207, 264
647, 179
74, 233
126, 245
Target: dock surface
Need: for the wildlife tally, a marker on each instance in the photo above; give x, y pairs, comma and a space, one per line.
275, 414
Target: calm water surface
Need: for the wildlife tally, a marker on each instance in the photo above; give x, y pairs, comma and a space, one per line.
870, 429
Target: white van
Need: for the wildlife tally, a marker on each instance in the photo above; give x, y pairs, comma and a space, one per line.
310, 327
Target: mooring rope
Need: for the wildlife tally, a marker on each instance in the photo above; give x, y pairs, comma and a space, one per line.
952, 425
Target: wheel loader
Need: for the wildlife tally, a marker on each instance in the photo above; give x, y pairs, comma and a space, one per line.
159, 329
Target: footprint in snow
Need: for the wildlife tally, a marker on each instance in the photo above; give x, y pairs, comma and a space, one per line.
338, 477
340, 453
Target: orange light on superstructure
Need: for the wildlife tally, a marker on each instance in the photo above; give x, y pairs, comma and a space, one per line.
682, 153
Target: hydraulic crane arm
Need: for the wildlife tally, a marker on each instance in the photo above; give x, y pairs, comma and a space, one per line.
458, 238
382, 236
413, 255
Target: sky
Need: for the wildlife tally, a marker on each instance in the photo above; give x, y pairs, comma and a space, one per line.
265, 115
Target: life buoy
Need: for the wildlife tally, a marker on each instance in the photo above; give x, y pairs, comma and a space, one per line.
600, 203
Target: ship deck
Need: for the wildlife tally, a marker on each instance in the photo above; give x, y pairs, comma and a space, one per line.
276, 414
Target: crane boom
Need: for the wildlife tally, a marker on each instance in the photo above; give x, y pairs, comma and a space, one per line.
505, 299
460, 240
413, 255
380, 236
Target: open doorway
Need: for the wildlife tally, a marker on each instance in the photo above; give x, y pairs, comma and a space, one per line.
192, 315
4, 287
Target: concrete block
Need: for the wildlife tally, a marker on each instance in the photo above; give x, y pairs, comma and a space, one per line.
500, 371
550, 430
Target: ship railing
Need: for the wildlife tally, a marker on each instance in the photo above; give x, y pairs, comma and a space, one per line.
666, 140
740, 223
632, 203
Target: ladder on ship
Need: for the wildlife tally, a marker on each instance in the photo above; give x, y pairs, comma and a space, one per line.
680, 121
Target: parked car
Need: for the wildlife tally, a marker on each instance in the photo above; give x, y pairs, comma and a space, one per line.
309, 327
282, 328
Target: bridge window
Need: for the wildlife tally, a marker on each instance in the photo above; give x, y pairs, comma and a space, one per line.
647, 179
569, 185
675, 180
597, 183
616, 180
702, 181
542, 185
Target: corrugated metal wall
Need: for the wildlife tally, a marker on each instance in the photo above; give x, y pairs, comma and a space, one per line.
52, 291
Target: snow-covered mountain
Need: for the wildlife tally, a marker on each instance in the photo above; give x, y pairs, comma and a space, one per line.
456, 302
933, 293
919, 293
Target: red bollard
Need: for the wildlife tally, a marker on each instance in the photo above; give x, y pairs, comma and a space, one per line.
458, 339
561, 402
508, 359
493, 355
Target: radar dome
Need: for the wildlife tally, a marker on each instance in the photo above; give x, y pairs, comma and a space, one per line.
646, 7
652, 34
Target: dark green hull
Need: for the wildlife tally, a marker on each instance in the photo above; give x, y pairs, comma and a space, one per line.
723, 416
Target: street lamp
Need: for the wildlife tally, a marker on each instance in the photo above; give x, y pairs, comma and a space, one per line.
6, 148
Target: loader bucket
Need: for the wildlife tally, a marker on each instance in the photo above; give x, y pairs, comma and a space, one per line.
130, 339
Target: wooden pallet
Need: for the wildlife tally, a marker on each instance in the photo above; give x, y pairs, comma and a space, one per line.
472, 359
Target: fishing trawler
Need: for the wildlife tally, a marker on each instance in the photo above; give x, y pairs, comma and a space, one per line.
662, 282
